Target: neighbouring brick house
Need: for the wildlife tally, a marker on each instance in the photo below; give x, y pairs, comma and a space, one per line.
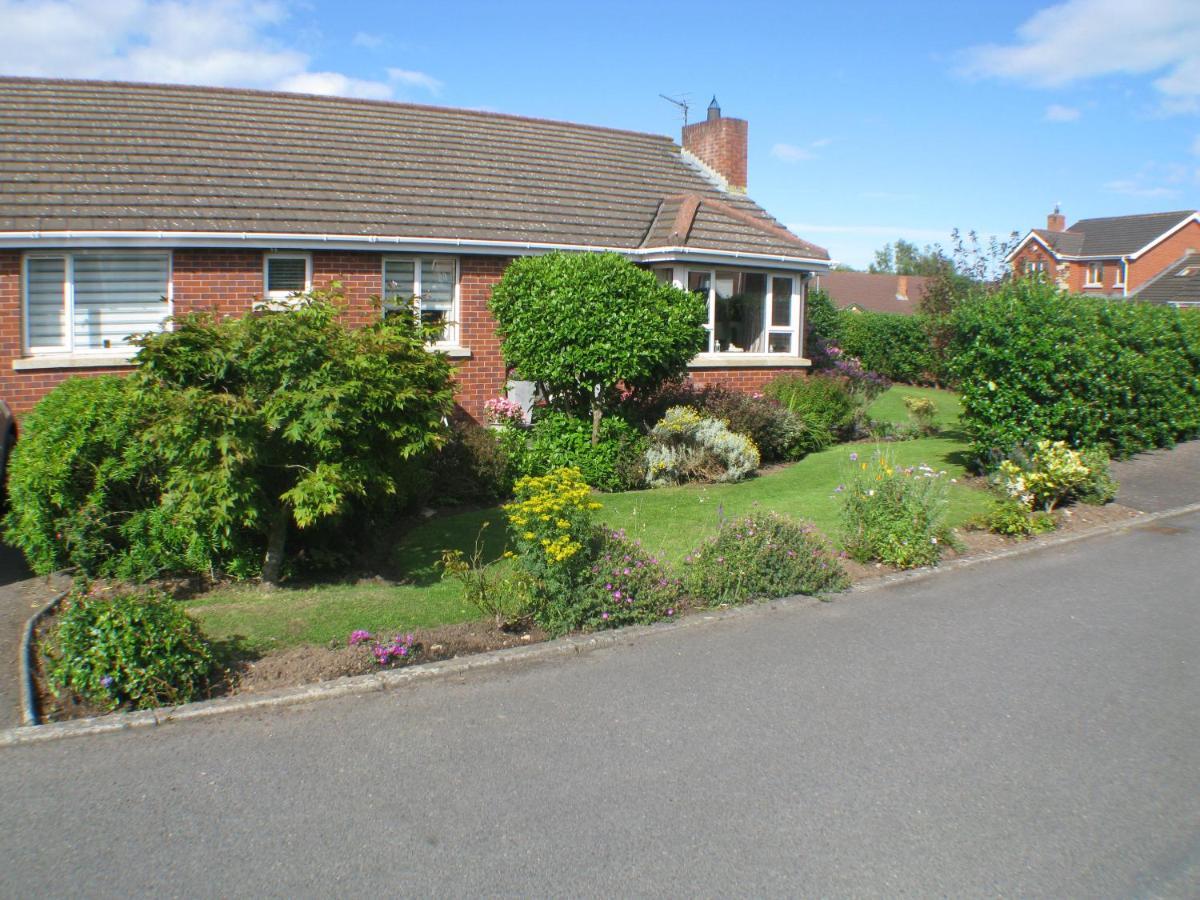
121, 204
1116, 256
860, 291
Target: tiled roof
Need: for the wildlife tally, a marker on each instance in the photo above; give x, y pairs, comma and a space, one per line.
106, 156
1178, 284
879, 293
1112, 236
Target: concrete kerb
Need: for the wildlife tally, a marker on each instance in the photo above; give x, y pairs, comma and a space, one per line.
548, 650
29, 710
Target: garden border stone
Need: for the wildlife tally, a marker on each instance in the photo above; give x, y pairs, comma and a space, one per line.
566, 646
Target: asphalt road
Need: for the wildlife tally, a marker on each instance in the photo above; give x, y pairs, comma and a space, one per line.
1022, 727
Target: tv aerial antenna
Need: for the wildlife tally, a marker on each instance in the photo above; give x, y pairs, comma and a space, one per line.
681, 101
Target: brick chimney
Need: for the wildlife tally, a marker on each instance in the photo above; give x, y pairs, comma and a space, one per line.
902, 287
720, 144
1056, 221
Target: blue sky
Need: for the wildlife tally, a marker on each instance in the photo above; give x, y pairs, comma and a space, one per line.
868, 121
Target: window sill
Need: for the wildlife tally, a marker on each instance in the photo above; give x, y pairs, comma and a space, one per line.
1093, 287
450, 351
748, 361
74, 361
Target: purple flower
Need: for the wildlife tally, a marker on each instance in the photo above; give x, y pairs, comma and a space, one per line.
107, 680
853, 457
358, 636
604, 615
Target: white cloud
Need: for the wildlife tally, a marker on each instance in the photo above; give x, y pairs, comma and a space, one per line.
1058, 113
1081, 39
1155, 180
210, 42
794, 153
367, 39
415, 79
1131, 187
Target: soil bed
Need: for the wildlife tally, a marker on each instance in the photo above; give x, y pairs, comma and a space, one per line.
310, 664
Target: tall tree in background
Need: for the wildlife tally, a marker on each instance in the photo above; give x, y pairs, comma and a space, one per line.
904, 258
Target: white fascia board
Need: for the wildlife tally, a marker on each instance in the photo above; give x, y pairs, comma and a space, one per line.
273, 241
1031, 236
1194, 217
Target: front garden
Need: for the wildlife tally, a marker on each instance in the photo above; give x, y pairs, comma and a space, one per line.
297, 487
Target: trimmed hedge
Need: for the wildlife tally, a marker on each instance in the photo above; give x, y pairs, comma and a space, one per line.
893, 345
1035, 363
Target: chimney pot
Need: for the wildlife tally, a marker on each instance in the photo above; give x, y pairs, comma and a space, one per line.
714, 109
1056, 221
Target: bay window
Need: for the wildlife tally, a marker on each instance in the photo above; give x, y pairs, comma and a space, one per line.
92, 301
430, 284
750, 312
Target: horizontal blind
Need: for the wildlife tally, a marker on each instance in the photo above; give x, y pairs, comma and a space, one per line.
437, 285
286, 274
398, 278
117, 295
46, 312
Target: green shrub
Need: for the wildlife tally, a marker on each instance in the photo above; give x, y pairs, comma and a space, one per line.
504, 597
923, 412
562, 440
823, 403
893, 345
822, 322
894, 515
1054, 473
1035, 363
477, 464
83, 484
1099, 487
763, 555
1011, 517
128, 650
686, 446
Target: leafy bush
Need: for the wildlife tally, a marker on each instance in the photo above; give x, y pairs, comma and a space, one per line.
892, 345
1011, 517
923, 412
562, 440
550, 521
279, 420
763, 555
503, 597
1053, 474
822, 323
1035, 363
894, 515
476, 465
584, 325
83, 484
823, 402
685, 446
777, 432
137, 650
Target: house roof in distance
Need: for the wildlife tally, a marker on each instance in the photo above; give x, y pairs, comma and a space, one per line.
1179, 283
79, 156
876, 292
1112, 235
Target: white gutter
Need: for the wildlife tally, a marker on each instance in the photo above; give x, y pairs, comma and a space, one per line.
275, 240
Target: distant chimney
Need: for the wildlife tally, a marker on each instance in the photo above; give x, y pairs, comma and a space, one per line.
902, 287
1056, 221
720, 144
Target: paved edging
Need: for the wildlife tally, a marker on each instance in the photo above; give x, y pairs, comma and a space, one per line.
386, 680
29, 707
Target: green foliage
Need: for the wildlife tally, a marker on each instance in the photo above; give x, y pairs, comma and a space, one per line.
895, 346
504, 597
923, 412
563, 440
1054, 473
136, 650
1099, 487
822, 320
83, 483
1035, 363
1010, 517
894, 515
280, 420
905, 258
477, 464
764, 555
583, 324
823, 403
686, 446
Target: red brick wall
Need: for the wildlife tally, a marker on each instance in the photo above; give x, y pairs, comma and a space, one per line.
1034, 252
481, 377
746, 380
1169, 251
1079, 275
721, 145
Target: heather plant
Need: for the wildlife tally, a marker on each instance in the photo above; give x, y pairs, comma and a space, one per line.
764, 555
686, 446
399, 649
894, 515
1053, 474
134, 650
550, 521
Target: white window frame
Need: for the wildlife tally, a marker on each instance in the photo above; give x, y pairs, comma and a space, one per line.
451, 335
275, 297
796, 309
125, 351
1089, 281
1119, 278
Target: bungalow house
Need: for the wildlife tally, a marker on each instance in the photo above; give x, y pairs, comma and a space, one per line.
859, 291
1109, 257
121, 204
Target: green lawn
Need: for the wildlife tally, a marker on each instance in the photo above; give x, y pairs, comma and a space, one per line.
890, 406
668, 521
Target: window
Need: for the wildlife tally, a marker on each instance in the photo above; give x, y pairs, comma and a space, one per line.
1119, 277
749, 312
430, 283
1035, 267
89, 302
1095, 275
285, 274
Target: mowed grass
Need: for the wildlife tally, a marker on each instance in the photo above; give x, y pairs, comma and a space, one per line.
668, 521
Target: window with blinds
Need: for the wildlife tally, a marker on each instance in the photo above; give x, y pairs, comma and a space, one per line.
93, 302
286, 274
427, 282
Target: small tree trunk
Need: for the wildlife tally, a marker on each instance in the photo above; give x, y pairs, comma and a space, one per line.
276, 541
596, 414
